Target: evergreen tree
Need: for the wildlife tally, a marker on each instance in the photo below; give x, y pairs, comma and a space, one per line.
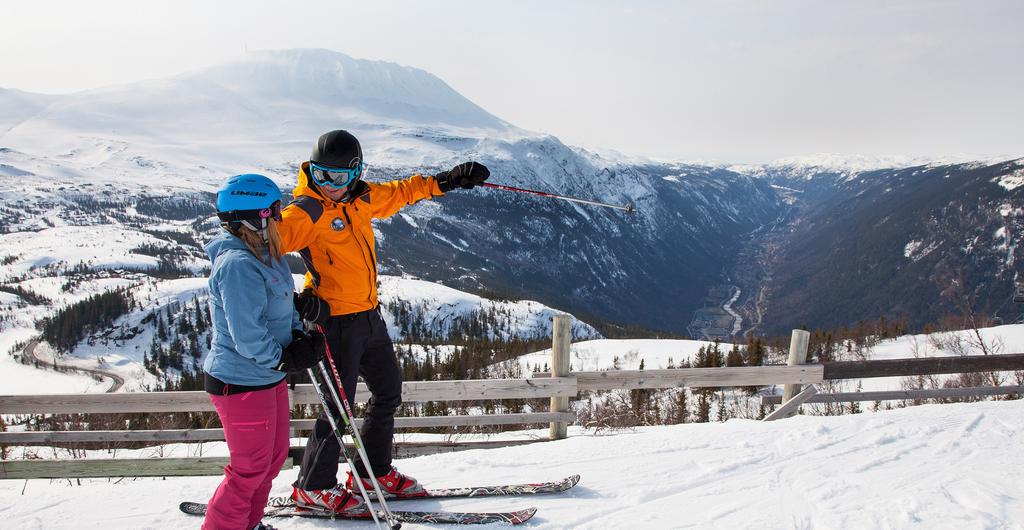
682, 407
161, 331
703, 414
193, 346
735, 358
198, 316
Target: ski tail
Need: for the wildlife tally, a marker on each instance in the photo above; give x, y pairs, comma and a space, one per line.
421, 517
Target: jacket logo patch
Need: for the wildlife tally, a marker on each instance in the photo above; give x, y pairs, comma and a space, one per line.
337, 224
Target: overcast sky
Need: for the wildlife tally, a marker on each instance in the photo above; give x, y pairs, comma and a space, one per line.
739, 81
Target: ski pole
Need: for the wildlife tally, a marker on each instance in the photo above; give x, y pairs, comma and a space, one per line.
628, 208
357, 439
339, 434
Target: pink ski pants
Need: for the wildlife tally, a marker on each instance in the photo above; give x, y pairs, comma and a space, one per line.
256, 429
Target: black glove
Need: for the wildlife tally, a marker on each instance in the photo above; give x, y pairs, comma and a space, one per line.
465, 176
305, 350
312, 308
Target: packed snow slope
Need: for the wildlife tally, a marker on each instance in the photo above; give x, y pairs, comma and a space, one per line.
936, 466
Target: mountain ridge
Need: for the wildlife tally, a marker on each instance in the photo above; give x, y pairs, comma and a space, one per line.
655, 268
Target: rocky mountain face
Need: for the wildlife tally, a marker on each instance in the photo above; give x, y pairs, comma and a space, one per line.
650, 268
918, 242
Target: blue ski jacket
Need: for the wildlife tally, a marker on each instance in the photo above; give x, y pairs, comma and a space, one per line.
253, 314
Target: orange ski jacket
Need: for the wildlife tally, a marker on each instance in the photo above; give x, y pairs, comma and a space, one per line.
336, 239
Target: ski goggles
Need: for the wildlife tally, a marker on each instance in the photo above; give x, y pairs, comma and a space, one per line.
274, 212
336, 178
248, 216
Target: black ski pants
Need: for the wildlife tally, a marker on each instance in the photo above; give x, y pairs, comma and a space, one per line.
360, 346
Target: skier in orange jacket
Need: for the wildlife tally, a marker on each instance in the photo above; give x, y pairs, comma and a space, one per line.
328, 224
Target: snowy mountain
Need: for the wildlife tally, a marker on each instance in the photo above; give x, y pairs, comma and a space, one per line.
17, 106
142, 156
254, 112
122, 177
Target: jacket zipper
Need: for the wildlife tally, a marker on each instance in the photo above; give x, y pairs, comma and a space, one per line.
369, 252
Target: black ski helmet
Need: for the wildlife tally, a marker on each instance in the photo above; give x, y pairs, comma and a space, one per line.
337, 149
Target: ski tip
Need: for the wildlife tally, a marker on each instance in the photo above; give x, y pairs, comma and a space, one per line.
192, 508
573, 480
521, 516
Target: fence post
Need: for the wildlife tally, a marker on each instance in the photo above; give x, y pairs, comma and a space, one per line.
797, 355
561, 337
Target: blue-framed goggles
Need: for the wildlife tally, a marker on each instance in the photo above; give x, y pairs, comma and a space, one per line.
336, 178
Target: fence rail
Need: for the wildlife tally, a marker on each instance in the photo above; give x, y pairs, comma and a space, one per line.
209, 435
194, 466
912, 395
113, 467
559, 388
695, 377
924, 366
199, 401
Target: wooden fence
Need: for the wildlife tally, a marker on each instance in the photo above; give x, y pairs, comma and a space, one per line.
559, 386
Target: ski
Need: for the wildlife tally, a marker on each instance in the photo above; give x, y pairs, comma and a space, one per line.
497, 491
428, 517
476, 491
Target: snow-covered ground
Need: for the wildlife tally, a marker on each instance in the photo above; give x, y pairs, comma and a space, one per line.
626, 354
937, 466
17, 378
999, 339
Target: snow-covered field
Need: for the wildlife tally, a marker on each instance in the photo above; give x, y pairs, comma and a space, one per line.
937, 466
17, 378
999, 339
626, 354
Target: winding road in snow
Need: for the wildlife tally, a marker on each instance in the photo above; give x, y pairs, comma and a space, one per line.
116, 381
737, 323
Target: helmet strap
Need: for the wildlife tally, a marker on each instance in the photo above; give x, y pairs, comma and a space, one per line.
261, 230
233, 226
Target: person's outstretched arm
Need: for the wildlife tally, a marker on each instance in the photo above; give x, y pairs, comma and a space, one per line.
388, 198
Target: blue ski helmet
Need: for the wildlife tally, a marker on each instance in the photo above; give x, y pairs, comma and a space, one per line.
250, 200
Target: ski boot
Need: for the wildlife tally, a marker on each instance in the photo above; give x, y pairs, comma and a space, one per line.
338, 500
393, 482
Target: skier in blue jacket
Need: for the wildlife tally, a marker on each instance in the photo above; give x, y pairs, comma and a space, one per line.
257, 338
